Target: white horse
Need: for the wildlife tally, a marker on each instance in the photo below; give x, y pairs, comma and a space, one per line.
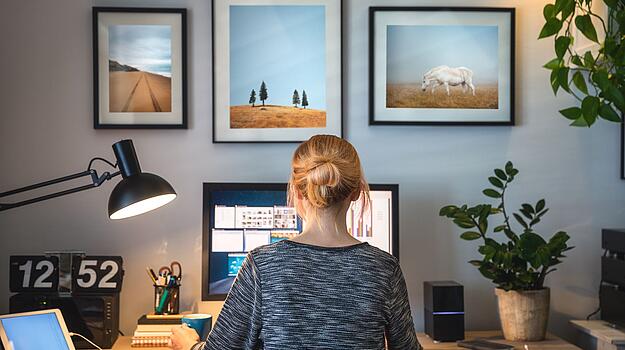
444, 75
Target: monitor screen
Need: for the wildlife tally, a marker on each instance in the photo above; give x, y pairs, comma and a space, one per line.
241, 217
19, 331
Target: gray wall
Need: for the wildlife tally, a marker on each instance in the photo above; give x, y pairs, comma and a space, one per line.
46, 131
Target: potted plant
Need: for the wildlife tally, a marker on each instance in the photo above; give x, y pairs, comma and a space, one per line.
596, 78
517, 263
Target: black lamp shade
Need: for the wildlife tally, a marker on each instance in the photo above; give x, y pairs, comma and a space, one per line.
139, 193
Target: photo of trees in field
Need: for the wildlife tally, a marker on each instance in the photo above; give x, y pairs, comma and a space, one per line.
277, 66
139, 68
446, 66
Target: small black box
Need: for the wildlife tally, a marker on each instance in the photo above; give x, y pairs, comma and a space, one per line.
444, 310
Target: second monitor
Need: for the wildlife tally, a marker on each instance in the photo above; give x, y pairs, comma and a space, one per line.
238, 217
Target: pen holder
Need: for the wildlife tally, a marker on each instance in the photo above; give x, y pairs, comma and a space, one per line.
166, 300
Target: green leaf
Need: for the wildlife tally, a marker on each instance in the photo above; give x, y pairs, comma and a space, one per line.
520, 220
528, 208
563, 78
579, 122
615, 96
499, 228
495, 182
576, 60
464, 223
489, 192
448, 210
602, 79
471, 235
611, 4
580, 82
549, 11
571, 113
526, 213
540, 205
589, 60
562, 44
590, 109
500, 174
551, 27
477, 263
584, 24
567, 9
555, 85
606, 112
553, 64
509, 167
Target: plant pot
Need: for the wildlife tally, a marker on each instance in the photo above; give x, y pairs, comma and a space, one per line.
523, 314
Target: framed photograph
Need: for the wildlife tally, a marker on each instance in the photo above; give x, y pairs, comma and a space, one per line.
441, 66
276, 70
139, 68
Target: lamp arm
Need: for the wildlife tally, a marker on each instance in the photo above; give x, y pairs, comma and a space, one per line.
96, 181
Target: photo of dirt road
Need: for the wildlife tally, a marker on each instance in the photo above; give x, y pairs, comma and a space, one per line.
138, 91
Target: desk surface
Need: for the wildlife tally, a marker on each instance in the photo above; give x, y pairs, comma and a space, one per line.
601, 330
551, 343
123, 343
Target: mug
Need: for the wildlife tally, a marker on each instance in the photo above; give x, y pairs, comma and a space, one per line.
200, 322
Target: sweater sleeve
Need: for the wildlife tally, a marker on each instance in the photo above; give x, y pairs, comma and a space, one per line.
239, 323
400, 332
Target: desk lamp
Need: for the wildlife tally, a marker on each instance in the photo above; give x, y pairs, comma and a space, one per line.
135, 194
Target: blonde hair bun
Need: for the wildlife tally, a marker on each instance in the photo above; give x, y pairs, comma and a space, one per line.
326, 171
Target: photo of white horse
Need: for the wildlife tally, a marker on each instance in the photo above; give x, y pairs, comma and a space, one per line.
442, 67
447, 76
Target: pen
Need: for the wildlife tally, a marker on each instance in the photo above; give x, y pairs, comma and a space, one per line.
150, 275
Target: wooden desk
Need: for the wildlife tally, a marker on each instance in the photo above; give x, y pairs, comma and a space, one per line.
598, 335
550, 343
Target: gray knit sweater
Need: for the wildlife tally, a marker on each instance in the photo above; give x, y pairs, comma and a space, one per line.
290, 295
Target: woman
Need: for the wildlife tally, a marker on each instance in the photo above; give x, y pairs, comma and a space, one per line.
323, 289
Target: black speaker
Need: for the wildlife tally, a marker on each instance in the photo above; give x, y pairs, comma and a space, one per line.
444, 310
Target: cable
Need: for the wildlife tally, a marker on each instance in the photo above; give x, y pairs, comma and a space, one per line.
100, 159
605, 253
82, 336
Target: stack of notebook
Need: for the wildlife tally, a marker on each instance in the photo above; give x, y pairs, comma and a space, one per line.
154, 330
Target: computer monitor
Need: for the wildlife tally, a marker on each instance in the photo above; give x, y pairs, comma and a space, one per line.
35, 330
238, 217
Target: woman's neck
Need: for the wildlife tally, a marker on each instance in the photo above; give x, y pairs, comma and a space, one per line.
328, 229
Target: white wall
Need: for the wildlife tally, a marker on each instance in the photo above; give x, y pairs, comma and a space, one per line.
46, 131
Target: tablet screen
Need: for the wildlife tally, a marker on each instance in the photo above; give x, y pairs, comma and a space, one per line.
41, 331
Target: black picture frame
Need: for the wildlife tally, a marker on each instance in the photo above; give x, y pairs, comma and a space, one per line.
372, 54
209, 222
214, 88
182, 12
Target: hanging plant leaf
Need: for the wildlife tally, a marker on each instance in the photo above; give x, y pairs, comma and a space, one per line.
549, 11
571, 113
584, 24
580, 82
562, 44
555, 84
590, 109
606, 112
551, 27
